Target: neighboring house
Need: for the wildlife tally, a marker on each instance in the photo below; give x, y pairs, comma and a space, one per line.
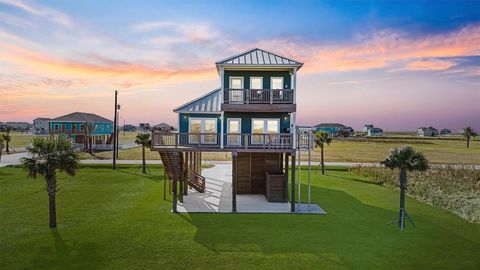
163, 127
71, 125
143, 127
372, 130
18, 126
446, 131
427, 131
375, 132
251, 115
129, 128
367, 127
40, 126
334, 129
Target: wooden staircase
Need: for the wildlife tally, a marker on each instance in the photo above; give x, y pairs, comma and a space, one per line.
193, 179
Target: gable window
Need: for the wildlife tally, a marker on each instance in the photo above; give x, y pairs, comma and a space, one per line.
236, 90
202, 130
261, 127
276, 83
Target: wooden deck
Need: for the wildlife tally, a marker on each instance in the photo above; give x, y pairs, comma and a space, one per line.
211, 142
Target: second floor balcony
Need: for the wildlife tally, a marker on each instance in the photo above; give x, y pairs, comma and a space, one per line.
259, 100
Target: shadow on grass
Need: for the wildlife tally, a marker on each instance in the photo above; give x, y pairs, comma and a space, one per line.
68, 255
351, 235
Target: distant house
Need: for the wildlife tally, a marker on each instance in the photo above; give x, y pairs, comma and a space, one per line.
375, 132
427, 131
71, 125
372, 130
334, 128
40, 126
163, 127
144, 127
129, 128
445, 131
18, 126
367, 127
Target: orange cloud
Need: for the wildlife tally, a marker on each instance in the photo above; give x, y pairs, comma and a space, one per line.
430, 65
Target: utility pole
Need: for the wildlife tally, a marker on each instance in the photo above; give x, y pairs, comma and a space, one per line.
114, 165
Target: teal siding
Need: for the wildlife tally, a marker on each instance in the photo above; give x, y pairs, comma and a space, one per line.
185, 116
266, 75
247, 120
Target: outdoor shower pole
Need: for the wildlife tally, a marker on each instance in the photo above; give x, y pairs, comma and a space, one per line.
310, 144
299, 145
114, 164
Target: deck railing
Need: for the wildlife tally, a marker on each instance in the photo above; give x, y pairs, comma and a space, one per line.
258, 96
67, 131
230, 141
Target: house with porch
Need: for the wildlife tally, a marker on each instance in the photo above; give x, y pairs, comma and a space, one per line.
73, 126
250, 115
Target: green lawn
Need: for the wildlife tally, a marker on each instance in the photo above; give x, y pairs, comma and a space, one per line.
118, 220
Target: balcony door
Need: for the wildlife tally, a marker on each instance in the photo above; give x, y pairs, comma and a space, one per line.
264, 126
202, 130
234, 130
235, 93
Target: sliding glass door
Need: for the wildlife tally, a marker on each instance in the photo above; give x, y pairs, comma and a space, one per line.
202, 130
262, 127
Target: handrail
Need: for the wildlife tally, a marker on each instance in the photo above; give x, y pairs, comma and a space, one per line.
231, 140
258, 96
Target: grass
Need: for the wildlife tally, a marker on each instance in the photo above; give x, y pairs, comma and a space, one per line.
438, 150
118, 220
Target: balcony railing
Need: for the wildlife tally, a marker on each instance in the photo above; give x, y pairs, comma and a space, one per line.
278, 141
258, 96
66, 131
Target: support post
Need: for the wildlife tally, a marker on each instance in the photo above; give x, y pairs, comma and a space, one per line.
175, 176
234, 181
114, 139
165, 179
186, 166
292, 200
181, 175
286, 177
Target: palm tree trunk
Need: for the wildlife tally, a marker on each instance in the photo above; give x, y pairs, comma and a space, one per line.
403, 187
8, 147
323, 163
52, 211
143, 160
468, 142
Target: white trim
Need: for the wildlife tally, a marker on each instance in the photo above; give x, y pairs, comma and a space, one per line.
265, 127
261, 82
202, 128
240, 131
230, 99
271, 82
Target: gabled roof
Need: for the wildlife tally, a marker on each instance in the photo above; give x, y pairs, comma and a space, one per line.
82, 117
258, 57
208, 103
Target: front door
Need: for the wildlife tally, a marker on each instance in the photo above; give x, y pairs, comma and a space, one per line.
233, 131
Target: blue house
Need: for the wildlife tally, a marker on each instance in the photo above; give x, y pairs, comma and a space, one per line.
251, 114
71, 125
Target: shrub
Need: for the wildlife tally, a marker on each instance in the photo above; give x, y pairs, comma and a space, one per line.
454, 188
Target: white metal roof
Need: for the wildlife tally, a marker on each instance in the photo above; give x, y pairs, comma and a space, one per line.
258, 57
208, 103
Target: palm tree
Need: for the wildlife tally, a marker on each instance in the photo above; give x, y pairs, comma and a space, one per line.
143, 139
7, 138
469, 133
405, 159
46, 156
322, 138
88, 129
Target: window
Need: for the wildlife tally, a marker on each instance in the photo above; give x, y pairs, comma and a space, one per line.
264, 126
256, 83
276, 83
236, 96
206, 129
234, 129
55, 126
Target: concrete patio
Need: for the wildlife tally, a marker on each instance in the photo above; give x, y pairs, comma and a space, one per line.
218, 197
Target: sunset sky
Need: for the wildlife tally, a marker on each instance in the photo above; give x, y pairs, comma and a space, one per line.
397, 65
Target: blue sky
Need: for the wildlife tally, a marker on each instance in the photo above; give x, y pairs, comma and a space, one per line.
396, 64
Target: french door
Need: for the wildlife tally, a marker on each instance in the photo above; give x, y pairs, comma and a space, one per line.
234, 130
262, 127
206, 129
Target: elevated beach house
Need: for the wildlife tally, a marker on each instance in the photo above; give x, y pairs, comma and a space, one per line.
73, 126
251, 115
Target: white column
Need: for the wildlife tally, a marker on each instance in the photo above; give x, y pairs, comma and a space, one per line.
294, 85
221, 129
293, 128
